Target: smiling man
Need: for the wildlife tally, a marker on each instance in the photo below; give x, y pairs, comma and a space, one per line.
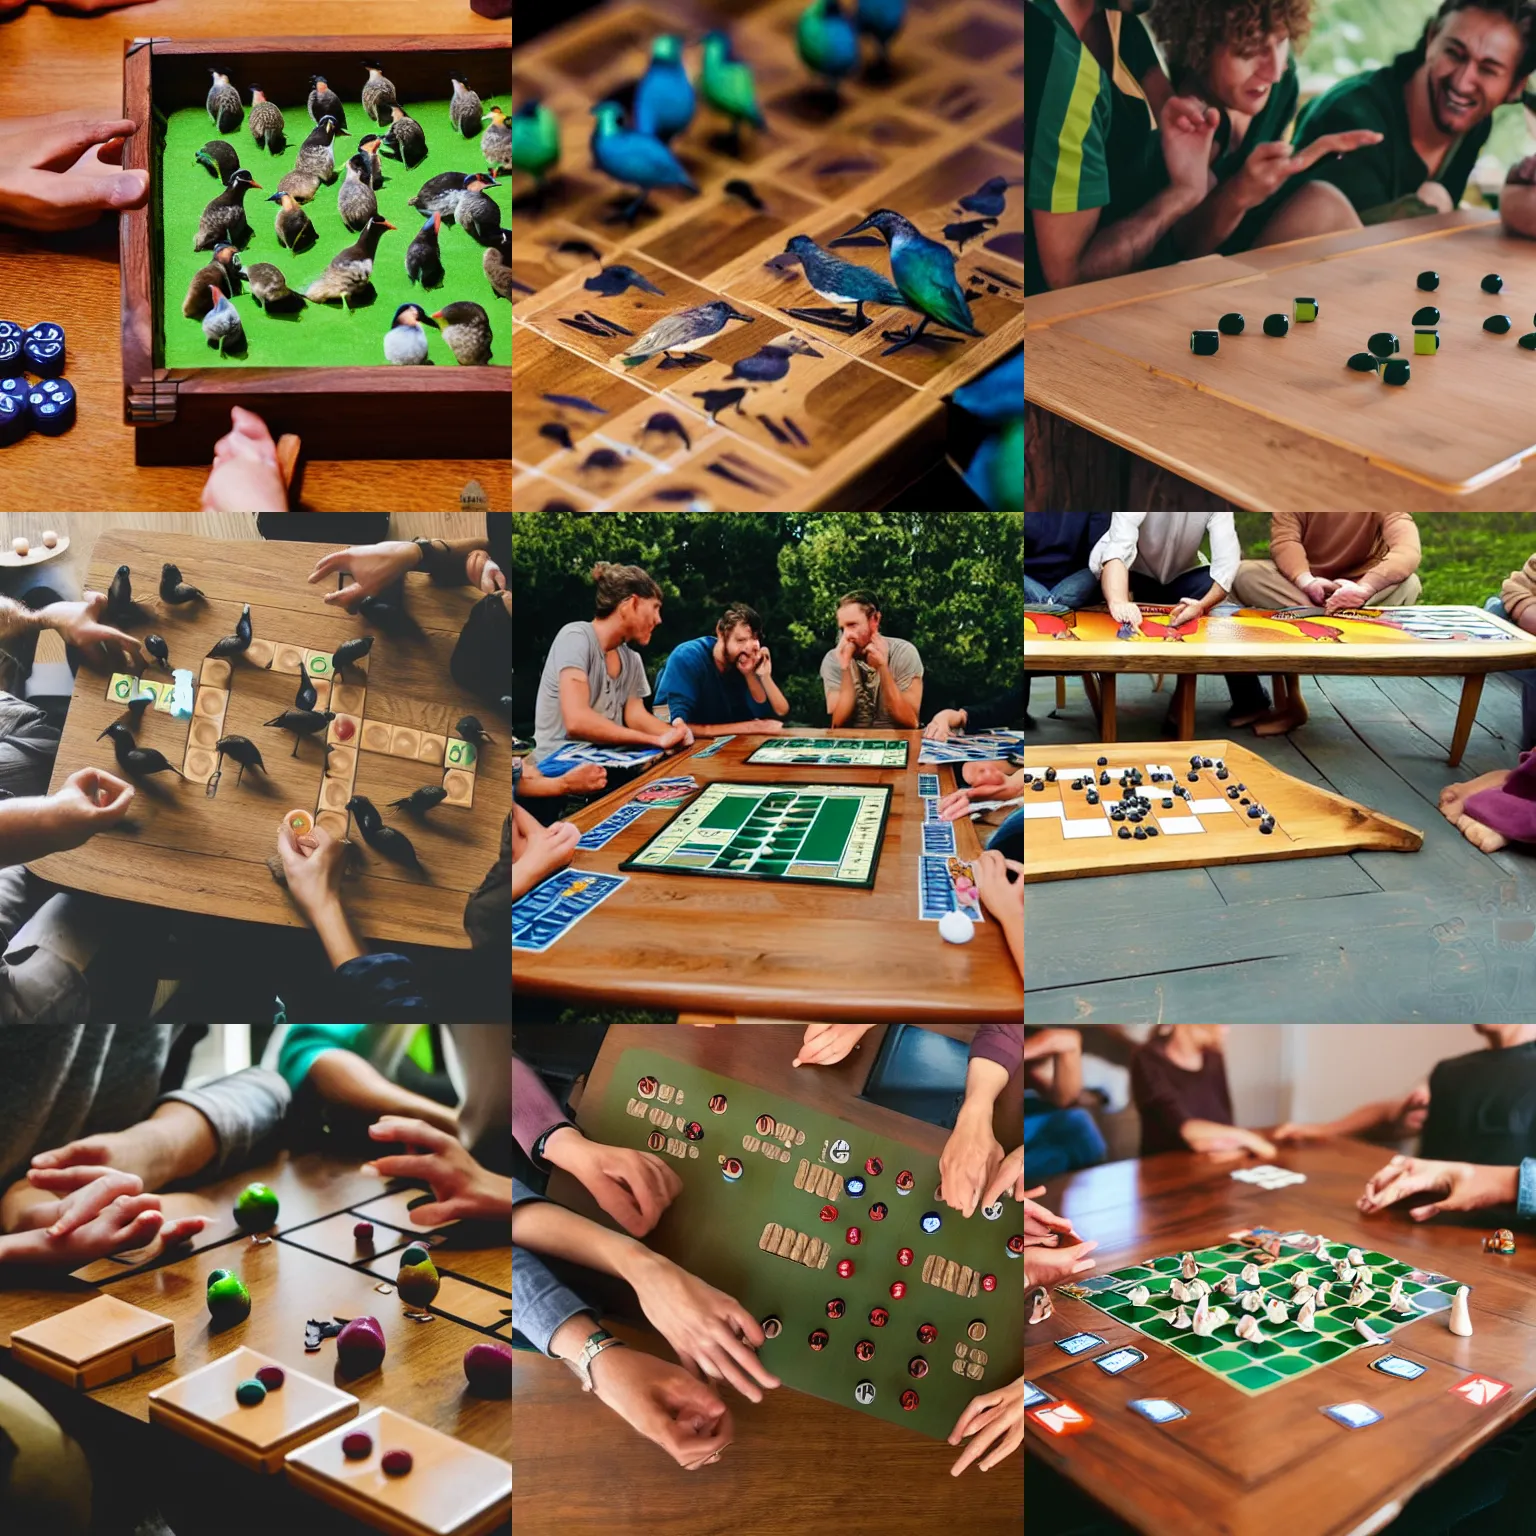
1433, 108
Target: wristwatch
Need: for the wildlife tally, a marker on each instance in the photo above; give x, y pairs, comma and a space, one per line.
595, 1345
432, 551
537, 1151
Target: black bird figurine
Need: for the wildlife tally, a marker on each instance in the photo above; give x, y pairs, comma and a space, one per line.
395, 846
306, 697
134, 759
244, 752
470, 729
615, 280
989, 198
120, 604
386, 611
353, 650
302, 722
173, 589
239, 642
156, 646
420, 801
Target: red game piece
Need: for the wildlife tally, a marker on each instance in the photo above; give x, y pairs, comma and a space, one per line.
1016, 1245
396, 1463
357, 1446
864, 1349
917, 1366
989, 1282
873, 1167
927, 1333
855, 1237
845, 1267
828, 1212
909, 1399
877, 1212
904, 1182
363, 1231
344, 729
898, 1289
879, 1317
836, 1307
271, 1377
818, 1338
903, 1256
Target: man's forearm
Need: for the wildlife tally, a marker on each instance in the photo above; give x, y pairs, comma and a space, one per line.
730, 728
585, 724
334, 929
1123, 246
558, 1233
984, 1081
1199, 233
897, 705
184, 1140
342, 1077
847, 696
29, 830
1115, 580
17, 619
19, 1199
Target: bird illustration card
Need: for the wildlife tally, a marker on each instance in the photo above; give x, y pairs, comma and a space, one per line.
549, 910
610, 826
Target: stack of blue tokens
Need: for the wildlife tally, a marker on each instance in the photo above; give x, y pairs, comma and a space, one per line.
52, 404
49, 405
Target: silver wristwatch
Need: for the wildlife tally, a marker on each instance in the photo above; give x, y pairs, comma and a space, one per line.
595, 1345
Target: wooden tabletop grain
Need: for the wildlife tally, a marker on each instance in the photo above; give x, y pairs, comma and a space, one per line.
797, 1463
50, 61
1274, 1465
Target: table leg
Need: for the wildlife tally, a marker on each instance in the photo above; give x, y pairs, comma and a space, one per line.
1091, 688
1471, 697
1061, 691
1107, 685
1184, 705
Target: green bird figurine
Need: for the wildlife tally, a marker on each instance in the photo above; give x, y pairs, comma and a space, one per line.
996, 473
826, 42
535, 143
726, 84
924, 271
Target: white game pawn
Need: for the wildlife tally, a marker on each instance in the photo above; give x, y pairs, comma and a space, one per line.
1249, 1301
1395, 1298
1300, 1283
50, 539
20, 546
1321, 1298
1181, 1318
956, 928
1360, 1294
1461, 1317
1248, 1328
1203, 1322
1042, 1308
1356, 1257
1344, 1271
1369, 1334
1220, 1317
1304, 1318
1187, 1266
1363, 1274
1195, 1290
1138, 1295
1250, 1274
1227, 1285
1275, 1311
1176, 1289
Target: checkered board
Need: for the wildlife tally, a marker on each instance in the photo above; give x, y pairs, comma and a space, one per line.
822, 834
1287, 1352
825, 751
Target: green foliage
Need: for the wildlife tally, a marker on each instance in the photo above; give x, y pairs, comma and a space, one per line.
948, 582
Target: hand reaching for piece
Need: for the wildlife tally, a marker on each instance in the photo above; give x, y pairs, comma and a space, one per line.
372, 567
827, 1043
996, 1421
634, 1187
245, 476
971, 1158
106, 1215
463, 1189
52, 176
665, 1404
80, 624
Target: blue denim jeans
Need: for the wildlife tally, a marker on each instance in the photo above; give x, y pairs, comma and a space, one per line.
1008, 840
1059, 1140
1527, 681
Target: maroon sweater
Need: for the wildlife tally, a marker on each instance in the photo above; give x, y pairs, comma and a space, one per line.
1166, 1096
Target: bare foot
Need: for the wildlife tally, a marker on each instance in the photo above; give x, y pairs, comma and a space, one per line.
1454, 797
1281, 722
1480, 836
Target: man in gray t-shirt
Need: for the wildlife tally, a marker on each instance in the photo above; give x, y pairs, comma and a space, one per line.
578, 646
871, 679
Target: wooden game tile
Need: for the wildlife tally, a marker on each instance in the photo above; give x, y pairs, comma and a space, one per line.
452, 1489
343, 731
202, 1406
959, 95
318, 664
334, 794
341, 763
726, 473
259, 653
324, 687
431, 748
835, 164
538, 262
721, 226
346, 698
214, 672
211, 703
645, 435
376, 736
533, 492
99, 1341
395, 1208
460, 787
334, 822
461, 754
467, 1303
204, 731
541, 369
404, 741
199, 765
288, 658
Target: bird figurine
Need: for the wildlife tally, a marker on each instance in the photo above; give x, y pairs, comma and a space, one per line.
770, 363
224, 219
133, 759
394, 845
420, 801
368, 147
441, 193
996, 395
664, 98
683, 332
726, 84
224, 103
423, 259
535, 143
476, 214
243, 750
406, 140
355, 201
635, 159
496, 141
464, 110
925, 272
173, 589
317, 154
239, 642
844, 282
301, 186
470, 728
224, 270
156, 647
292, 224
120, 603
614, 280
386, 610
324, 102
497, 264
302, 722
881, 20
350, 270
350, 651
308, 695
266, 121
220, 158
826, 42
222, 323
269, 287
406, 341
378, 95
467, 329
990, 198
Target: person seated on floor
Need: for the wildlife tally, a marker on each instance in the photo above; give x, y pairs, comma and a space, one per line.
1495, 809
870, 679
1059, 1135
1056, 550
1433, 107
1179, 1084
722, 684
1516, 605
1154, 557
1334, 561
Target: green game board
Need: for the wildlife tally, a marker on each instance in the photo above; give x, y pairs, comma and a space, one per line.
824, 751
714, 1227
819, 834
1287, 1352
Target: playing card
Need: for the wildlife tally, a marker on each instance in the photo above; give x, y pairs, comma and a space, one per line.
938, 837
1352, 1415
928, 786
609, 826
551, 908
1160, 1410
1033, 1395
1118, 1361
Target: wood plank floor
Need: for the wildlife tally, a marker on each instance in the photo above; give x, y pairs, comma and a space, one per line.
1446, 935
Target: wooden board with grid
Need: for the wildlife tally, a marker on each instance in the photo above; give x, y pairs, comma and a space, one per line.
843, 429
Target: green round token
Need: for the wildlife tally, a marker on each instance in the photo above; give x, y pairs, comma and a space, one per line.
218, 1274
415, 1254
1429, 281
1528, 341
1365, 362
250, 1392
228, 1301
1498, 324
256, 1209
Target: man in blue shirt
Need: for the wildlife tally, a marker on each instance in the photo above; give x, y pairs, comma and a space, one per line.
722, 684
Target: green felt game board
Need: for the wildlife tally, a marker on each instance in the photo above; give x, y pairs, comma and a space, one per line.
822, 751
318, 335
714, 1227
821, 834
1287, 1352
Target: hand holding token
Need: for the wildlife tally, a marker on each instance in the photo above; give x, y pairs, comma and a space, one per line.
89, 800
1184, 610
1009, 1175
634, 1187
1126, 613
1347, 594
971, 1157
996, 1421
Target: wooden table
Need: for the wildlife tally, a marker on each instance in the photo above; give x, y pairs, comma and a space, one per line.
1269, 1464
1256, 641
853, 1474
77, 63
1123, 415
769, 948
184, 851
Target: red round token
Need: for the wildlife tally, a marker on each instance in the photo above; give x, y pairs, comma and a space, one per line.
829, 1213
879, 1317
357, 1446
877, 1212
396, 1463
855, 1237
836, 1307
909, 1400
864, 1349
905, 1181
904, 1256
898, 1289
344, 729
989, 1282
873, 1167
917, 1366
270, 1376
927, 1333
1016, 1245
363, 1231
818, 1338
845, 1267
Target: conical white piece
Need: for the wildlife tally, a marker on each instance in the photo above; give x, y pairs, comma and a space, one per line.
1250, 1301
1304, 1318
1355, 1256
1322, 1300
1360, 1294
1250, 1274
1181, 1318
1187, 1266
1195, 1290
1300, 1283
1248, 1328
1227, 1285
1395, 1298
1368, 1333
1042, 1307
1461, 1316
1176, 1289
1138, 1295
1201, 1321
1275, 1311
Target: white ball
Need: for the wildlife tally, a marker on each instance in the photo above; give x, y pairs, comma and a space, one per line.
957, 928
50, 539
20, 546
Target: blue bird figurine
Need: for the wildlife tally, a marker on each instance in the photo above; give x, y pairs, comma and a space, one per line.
882, 20
636, 159
997, 395
664, 97
826, 42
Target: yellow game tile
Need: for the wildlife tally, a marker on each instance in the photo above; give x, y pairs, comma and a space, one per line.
343, 730
334, 822
431, 748
461, 754
318, 664
288, 658
377, 736
164, 694
214, 672
404, 741
259, 653
460, 787
348, 698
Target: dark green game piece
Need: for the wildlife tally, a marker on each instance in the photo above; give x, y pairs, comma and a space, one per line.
1204, 343
1365, 362
1277, 325
1529, 342
1493, 283
1429, 315
1396, 371
1231, 325
1498, 324
1383, 343
1429, 281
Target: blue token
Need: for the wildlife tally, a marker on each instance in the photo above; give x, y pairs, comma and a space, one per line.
44, 349
855, 1186
52, 404
14, 419
930, 1221
11, 338
15, 384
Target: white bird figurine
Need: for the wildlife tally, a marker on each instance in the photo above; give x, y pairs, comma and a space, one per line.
406, 341
222, 322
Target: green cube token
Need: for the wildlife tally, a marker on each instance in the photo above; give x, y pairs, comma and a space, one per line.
1277, 325
1429, 315
1365, 362
1493, 283
1204, 343
1231, 325
1426, 343
1305, 310
1498, 324
1429, 281
1383, 343
1529, 341
1396, 371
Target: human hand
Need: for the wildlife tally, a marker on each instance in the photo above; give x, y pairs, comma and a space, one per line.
174, 1142
549, 848
1126, 613
943, 723
993, 775
80, 624
1461, 1186
996, 1420
957, 803
584, 779
93, 1191
372, 567
1187, 128
483, 572
1052, 1042
676, 735
633, 1187
877, 653
1522, 173
1318, 589
1435, 194
1415, 1111
245, 476
1042, 1227
87, 802
1347, 594
52, 176
1183, 611
665, 1404
1269, 166
712, 1333
764, 667
824, 1044
1009, 1175
461, 1187
970, 1158
1000, 894
844, 653
313, 866
1050, 1266
1292, 1134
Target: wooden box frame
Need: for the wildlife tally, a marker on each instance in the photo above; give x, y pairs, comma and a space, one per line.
341, 413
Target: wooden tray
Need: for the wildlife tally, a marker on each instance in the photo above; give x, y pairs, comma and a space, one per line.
97, 1342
